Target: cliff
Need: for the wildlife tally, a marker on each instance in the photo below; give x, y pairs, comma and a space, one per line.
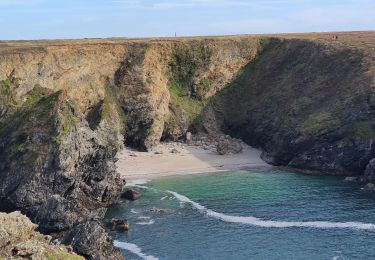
67, 107
20, 240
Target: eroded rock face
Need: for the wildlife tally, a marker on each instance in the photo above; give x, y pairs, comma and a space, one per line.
20, 240
370, 171
307, 105
53, 167
66, 108
89, 239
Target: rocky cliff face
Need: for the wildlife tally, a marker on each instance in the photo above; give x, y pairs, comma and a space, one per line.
65, 110
20, 240
308, 105
66, 107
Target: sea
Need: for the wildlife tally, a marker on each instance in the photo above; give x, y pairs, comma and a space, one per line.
250, 214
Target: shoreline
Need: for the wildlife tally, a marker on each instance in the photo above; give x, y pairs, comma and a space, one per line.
175, 159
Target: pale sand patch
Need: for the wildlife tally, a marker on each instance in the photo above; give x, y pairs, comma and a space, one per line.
190, 159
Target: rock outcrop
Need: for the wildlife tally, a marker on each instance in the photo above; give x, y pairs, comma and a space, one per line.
308, 105
20, 240
53, 167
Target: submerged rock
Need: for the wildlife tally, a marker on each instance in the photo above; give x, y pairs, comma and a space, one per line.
131, 195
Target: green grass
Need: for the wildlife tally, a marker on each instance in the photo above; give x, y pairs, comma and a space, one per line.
190, 108
6, 93
364, 129
319, 123
67, 122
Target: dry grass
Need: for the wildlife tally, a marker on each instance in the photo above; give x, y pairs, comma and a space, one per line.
363, 40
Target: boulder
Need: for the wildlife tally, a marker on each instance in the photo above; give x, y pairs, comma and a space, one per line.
174, 150
89, 239
131, 195
369, 187
120, 225
227, 145
351, 179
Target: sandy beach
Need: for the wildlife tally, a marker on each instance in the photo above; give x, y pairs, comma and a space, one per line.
186, 159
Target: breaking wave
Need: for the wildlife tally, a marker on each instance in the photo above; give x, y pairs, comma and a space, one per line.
133, 249
254, 221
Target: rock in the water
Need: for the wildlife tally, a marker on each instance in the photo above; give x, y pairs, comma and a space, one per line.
369, 187
351, 179
174, 150
131, 195
121, 225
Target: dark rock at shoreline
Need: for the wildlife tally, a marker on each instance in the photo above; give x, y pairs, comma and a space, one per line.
121, 225
58, 214
370, 171
369, 187
131, 195
309, 119
352, 179
89, 239
54, 167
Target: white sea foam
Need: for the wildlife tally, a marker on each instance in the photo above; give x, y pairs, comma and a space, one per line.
270, 223
150, 222
143, 217
133, 249
136, 182
134, 211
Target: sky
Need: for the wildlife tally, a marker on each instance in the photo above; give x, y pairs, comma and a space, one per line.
62, 19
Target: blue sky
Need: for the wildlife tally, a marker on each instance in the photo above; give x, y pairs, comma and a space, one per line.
50, 19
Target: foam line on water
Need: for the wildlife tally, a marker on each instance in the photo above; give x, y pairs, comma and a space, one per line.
254, 221
136, 183
133, 249
150, 222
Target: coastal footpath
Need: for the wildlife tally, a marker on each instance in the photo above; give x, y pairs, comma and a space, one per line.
67, 107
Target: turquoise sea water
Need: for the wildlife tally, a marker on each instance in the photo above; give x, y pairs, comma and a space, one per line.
255, 214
